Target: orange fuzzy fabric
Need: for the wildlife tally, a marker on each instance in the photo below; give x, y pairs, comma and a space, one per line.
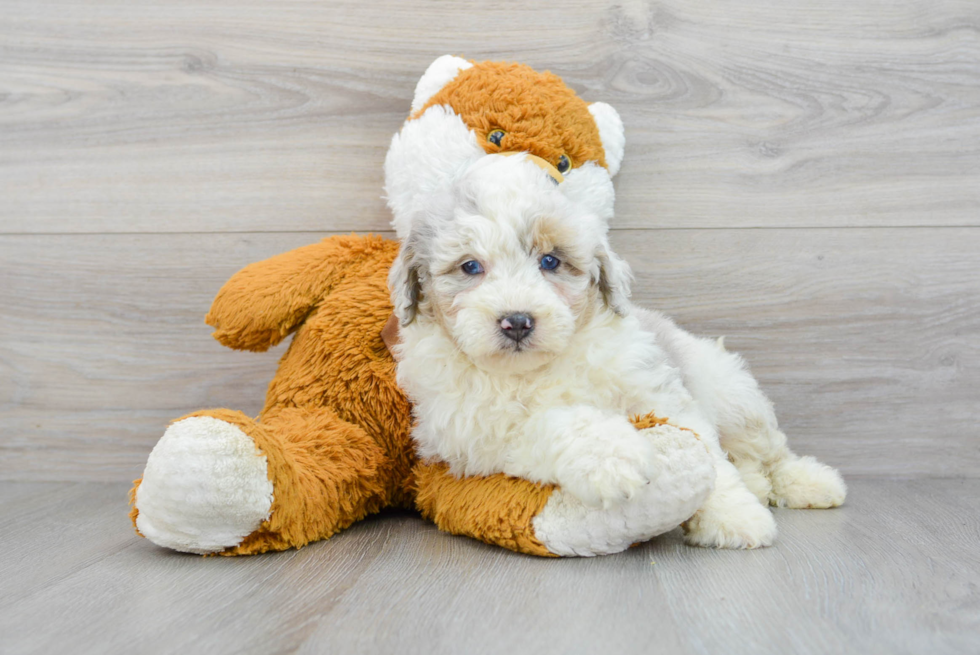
537, 111
335, 426
496, 509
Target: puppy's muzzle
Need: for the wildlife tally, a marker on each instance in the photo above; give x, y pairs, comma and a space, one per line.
517, 326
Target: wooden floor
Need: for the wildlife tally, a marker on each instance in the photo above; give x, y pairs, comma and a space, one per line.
804, 180
802, 177
895, 571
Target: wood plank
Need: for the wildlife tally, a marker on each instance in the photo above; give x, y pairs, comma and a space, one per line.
68, 526
866, 339
79, 535
894, 570
831, 576
103, 343
180, 116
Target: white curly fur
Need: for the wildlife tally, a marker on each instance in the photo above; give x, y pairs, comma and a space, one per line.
553, 408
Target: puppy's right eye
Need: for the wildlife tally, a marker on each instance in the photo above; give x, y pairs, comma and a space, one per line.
550, 262
472, 267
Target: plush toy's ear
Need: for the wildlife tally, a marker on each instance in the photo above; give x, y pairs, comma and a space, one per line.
439, 73
611, 132
614, 278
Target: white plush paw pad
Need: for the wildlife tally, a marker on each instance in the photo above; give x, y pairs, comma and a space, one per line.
205, 487
806, 483
681, 474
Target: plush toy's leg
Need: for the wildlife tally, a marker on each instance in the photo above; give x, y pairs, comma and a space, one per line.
542, 520
219, 482
205, 486
495, 509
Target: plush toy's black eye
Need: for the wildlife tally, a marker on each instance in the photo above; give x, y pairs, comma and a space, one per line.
495, 137
564, 163
550, 262
472, 267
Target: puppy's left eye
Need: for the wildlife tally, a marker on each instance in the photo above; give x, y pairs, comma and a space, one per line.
550, 262
564, 163
472, 267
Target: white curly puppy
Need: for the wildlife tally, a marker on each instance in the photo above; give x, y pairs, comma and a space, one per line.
523, 355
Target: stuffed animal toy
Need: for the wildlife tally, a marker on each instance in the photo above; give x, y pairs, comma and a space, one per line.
331, 445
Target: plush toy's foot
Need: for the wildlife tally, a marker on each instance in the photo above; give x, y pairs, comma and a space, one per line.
685, 477
803, 483
220, 482
205, 487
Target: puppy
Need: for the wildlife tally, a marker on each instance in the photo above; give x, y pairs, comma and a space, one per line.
523, 355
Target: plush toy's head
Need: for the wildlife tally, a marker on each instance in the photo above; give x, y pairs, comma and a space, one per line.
463, 111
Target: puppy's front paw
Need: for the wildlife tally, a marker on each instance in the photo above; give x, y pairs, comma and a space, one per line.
610, 475
737, 525
614, 482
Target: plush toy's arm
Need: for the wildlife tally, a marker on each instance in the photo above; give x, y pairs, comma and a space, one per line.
265, 301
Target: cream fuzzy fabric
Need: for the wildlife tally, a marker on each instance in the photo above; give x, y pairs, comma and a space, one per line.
204, 489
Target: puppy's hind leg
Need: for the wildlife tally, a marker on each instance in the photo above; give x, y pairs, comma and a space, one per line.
750, 434
730, 397
774, 473
805, 483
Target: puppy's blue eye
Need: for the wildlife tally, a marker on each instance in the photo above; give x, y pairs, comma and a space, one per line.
472, 267
550, 262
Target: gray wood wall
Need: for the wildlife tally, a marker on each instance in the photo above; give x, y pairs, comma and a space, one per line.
803, 177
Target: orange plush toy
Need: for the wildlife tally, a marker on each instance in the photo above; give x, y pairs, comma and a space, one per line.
332, 444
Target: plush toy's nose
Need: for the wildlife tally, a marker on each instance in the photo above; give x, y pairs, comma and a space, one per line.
517, 326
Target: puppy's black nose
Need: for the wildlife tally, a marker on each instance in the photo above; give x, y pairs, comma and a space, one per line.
517, 326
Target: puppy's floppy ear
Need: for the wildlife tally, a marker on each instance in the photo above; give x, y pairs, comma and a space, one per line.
405, 282
613, 278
